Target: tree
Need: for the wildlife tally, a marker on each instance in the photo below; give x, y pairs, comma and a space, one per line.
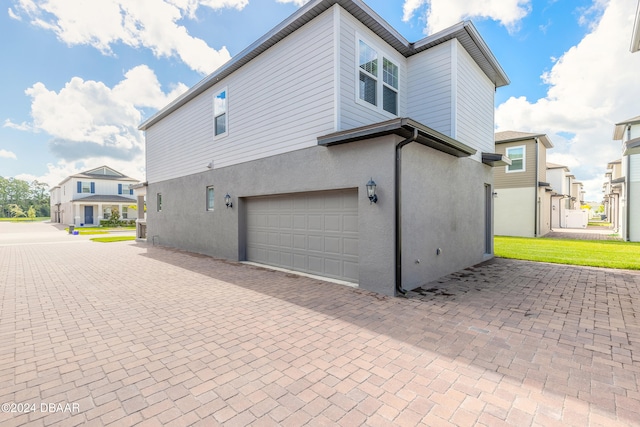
31, 213
114, 219
16, 211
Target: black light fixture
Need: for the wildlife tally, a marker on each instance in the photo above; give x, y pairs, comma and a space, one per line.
371, 191
227, 201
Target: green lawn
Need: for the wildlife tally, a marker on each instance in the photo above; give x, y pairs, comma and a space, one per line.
594, 253
113, 239
97, 230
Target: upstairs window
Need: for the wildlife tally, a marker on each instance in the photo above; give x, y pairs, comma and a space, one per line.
378, 79
220, 114
86, 187
517, 156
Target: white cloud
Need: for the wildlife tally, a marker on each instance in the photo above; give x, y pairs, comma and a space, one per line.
590, 88
89, 120
5, 154
298, 3
441, 14
151, 24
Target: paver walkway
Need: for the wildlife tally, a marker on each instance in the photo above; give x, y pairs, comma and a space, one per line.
128, 334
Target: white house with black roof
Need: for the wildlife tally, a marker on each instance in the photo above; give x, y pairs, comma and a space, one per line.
86, 198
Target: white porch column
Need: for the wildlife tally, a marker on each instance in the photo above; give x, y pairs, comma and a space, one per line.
99, 214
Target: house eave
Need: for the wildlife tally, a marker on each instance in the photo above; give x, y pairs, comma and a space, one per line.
495, 159
404, 127
465, 32
631, 147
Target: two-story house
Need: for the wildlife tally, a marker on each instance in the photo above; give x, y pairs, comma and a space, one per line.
612, 189
523, 194
84, 199
334, 147
628, 132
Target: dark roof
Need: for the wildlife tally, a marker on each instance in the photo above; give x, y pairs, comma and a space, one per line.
465, 32
404, 127
102, 172
105, 199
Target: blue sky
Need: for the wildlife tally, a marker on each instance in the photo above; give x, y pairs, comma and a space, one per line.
77, 81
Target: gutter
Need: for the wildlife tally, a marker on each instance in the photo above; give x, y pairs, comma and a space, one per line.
536, 216
627, 191
398, 211
398, 202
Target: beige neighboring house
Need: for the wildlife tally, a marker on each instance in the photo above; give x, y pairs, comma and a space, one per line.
86, 198
522, 193
612, 189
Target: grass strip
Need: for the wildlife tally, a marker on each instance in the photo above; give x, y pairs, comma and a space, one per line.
593, 253
113, 239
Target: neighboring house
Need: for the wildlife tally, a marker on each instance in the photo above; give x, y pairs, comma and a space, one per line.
523, 194
86, 198
567, 197
612, 189
628, 132
635, 35
268, 159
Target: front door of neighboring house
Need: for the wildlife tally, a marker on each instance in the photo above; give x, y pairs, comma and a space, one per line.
88, 214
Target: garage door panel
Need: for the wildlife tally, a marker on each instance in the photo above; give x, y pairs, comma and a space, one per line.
310, 232
332, 245
314, 222
350, 247
315, 243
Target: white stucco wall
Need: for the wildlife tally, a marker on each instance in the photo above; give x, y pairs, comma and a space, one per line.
515, 212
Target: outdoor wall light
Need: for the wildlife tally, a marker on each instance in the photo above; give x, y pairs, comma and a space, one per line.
371, 191
227, 201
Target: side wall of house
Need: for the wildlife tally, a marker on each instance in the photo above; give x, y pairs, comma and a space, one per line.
431, 87
443, 201
185, 222
279, 102
634, 198
474, 104
515, 212
526, 178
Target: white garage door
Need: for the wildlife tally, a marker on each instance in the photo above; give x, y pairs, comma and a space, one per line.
311, 232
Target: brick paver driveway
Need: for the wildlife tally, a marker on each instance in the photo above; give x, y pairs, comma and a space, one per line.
129, 334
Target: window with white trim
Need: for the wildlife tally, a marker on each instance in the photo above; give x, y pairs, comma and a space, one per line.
220, 119
210, 198
378, 79
518, 159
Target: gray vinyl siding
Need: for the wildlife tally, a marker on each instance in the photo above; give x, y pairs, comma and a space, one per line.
279, 102
429, 99
353, 114
475, 104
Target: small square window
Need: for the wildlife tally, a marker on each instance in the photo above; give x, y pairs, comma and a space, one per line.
210, 198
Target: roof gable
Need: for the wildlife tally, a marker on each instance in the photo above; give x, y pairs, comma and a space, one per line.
465, 32
514, 136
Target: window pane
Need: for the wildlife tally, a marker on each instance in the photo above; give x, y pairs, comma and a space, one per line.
517, 158
220, 103
390, 100
367, 89
368, 59
221, 124
209, 198
390, 73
